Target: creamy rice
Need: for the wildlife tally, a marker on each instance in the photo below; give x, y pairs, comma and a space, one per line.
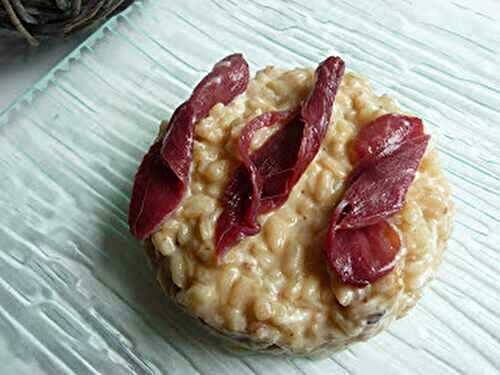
274, 287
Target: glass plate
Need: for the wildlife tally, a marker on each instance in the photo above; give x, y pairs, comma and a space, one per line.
76, 294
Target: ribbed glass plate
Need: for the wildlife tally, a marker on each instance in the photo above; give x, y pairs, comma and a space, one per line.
76, 294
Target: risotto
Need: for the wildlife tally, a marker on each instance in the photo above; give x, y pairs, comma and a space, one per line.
273, 291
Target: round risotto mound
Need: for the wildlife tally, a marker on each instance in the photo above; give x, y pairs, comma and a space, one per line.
273, 291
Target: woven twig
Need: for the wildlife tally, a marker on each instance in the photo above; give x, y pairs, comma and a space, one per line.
36, 19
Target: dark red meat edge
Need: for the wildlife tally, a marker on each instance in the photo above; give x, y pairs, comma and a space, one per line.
361, 245
264, 180
163, 174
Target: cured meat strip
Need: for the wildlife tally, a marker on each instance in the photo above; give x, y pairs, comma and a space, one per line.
163, 175
156, 192
362, 256
380, 189
386, 133
361, 245
228, 78
242, 197
264, 180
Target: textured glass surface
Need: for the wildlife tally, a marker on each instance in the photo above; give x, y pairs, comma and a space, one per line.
76, 293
